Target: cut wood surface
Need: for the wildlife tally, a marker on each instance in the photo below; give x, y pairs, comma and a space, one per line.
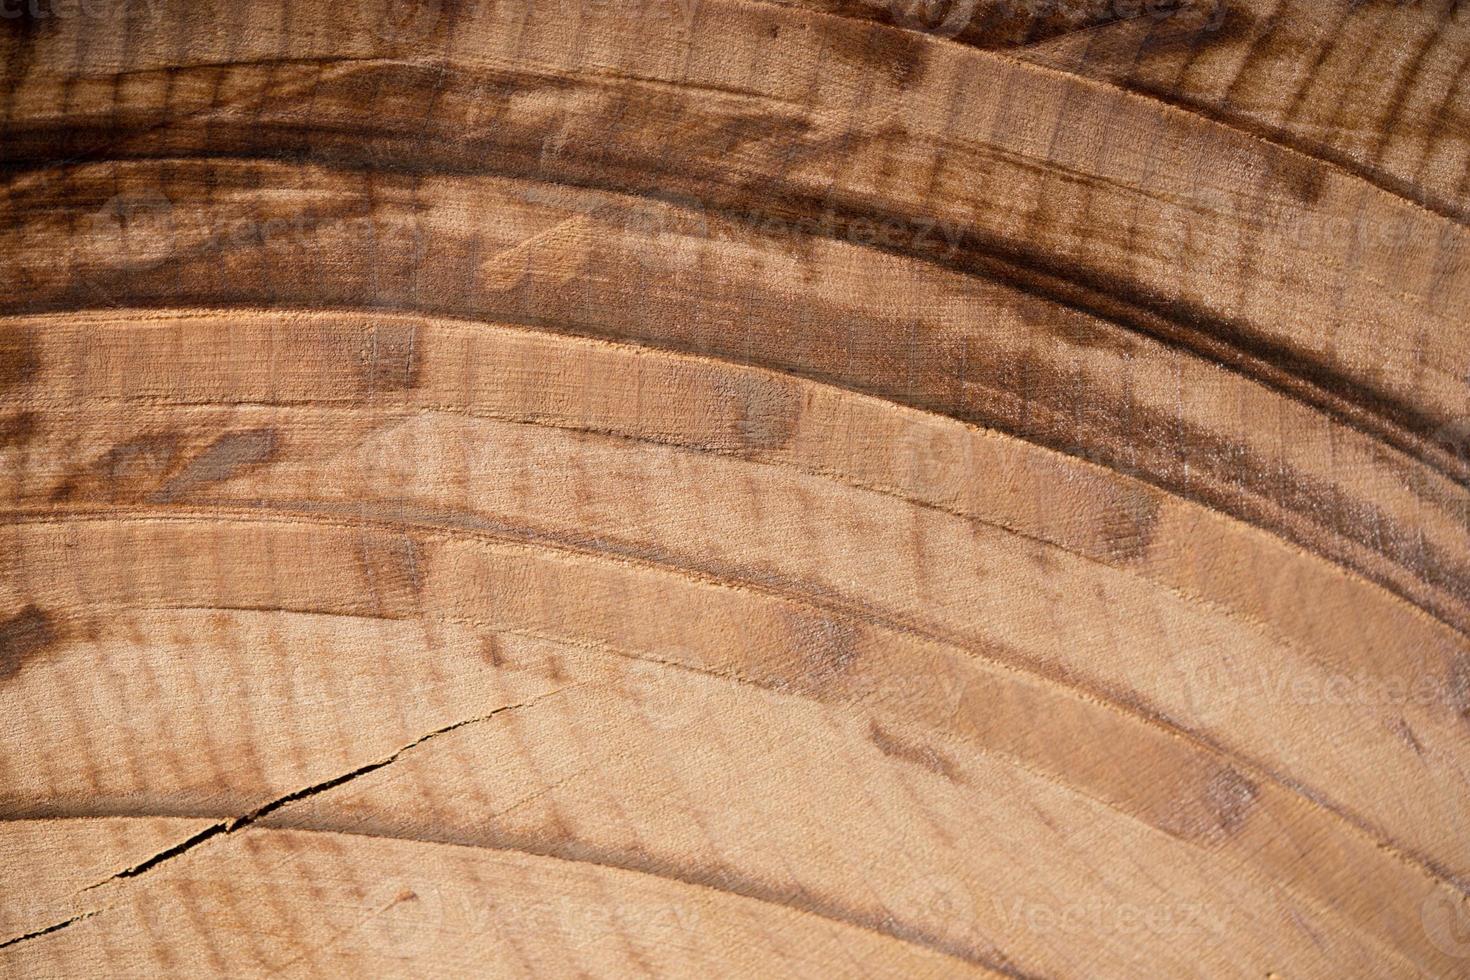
735, 487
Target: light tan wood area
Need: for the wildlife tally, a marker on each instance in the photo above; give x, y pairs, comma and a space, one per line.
735, 488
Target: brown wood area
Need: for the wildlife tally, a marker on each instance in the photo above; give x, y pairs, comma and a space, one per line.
764, 488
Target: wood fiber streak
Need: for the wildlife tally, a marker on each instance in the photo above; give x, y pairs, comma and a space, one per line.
735, 487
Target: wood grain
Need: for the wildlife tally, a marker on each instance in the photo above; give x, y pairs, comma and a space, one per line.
735, 487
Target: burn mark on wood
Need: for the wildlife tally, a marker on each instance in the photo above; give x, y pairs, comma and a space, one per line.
21, 26
1304, 178
920, 755
129, 464
824, 648
229, 456
764, 411
1230, 798
24, 636
17, 429
1127, 528
129, 470
900, 56
1217, 809
19, 359
1400, 727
